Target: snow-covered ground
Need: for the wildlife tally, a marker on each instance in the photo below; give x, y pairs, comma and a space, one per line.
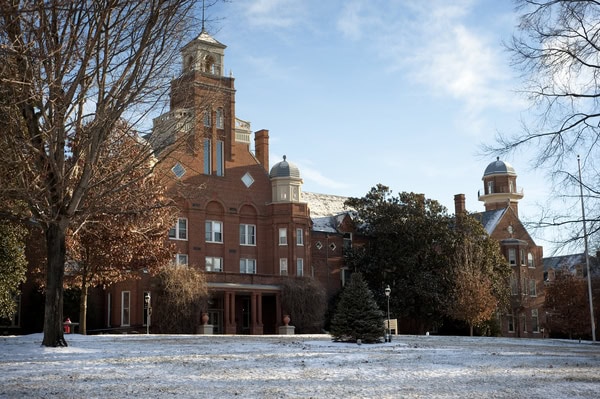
196, 366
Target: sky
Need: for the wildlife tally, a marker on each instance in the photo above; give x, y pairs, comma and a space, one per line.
398, 92
296, 366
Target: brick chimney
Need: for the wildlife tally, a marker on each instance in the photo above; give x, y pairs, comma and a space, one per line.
459, 204
261, 146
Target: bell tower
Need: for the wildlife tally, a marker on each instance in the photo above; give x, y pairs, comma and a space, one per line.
500, 187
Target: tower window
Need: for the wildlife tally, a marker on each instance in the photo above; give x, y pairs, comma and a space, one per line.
220, 120
207, 157
490, 187
207, 117
209, 64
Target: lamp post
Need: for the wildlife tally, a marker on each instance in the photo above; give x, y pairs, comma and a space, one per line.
388, 335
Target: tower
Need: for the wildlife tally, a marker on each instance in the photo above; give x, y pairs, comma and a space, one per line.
500, 187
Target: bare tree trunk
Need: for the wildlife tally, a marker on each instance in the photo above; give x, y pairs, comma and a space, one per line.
53, 309
83, 307
471, 330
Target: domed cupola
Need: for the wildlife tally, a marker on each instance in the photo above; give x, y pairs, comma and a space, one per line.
500, 187
286, 184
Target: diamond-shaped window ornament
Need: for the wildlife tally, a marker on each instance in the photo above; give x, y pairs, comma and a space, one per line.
332, 246
247, 179
319, 245
178, 170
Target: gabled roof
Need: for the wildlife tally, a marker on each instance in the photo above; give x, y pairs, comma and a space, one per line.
570, 263
327, 211
490, 219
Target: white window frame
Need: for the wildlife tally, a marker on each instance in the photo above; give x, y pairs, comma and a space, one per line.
535, 321
207, 117
179, 231
248, 234
522, 257
283, 266
181, 260
348, 241
220, 120
530, 260
299, 237
212, 233
247, 266
512, 256
300, 267
532, 287
282, 236
125, 308
214, 264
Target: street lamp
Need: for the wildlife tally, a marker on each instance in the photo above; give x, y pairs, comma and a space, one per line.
388, 334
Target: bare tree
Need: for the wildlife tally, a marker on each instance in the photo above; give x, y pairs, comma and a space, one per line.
73, 69
557, 48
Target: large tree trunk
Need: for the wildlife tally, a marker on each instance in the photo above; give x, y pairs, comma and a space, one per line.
53, 309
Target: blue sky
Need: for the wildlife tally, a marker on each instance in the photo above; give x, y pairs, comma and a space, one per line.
398, 92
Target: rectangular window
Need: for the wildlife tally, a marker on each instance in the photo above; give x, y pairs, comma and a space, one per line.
179, 231
347, 241
535, 321
523, 323
532, 288
514, 285
248, 266
181, 260
299, 237
511, 323
299, 267
283, 266
530, 261
512, 256
219, 122
522, 257
207, 151
247, 234
207, 115
490, 187
283, 236
125, 303
214, 264
220, 159
146, 306
214, 231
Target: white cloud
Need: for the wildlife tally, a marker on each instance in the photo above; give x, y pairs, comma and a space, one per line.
274, 13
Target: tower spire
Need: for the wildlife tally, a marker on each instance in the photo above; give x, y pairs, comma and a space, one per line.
203, 8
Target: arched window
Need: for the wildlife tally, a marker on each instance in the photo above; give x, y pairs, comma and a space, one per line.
209, 64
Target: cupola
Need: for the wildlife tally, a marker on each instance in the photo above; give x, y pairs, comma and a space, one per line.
286, 184
500, 187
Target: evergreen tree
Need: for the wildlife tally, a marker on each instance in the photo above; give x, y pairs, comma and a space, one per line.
357, 315
13, 266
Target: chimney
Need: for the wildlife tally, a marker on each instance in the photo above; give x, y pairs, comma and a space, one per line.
459, 204
261, 146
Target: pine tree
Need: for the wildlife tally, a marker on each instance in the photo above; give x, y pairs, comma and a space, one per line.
357, 315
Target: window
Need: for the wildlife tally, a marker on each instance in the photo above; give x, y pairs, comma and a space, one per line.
347, 241
214, 231
207, 117
247, 234
207, 157
283, 236
530, 261
178, 170
524, 323
220, 164
535, 321
514, 286
146, 306
214, 264
299, 267
532, 288
219, 121
299, 237
181, 260
522, 257
125, 303
490, 187
179, 231
511, 323
248, 266
283, 267
512, 256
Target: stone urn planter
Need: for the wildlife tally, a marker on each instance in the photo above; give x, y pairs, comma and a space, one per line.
204, 319
286, 320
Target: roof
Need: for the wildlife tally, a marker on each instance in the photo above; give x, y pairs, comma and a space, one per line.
205, 37
570, 262
327, 211
284, 169
490, 219
499, 167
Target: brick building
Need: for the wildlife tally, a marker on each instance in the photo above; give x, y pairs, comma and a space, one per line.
501, 197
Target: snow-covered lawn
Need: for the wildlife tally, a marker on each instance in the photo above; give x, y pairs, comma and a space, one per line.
200, 366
